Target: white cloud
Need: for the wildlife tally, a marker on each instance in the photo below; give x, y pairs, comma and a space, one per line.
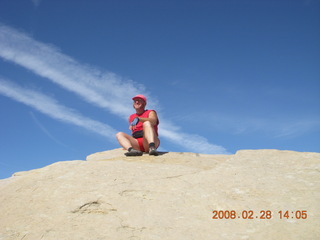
103, 89
36, 3
46, 131
240, 124
53, 109
296, 128
194, 143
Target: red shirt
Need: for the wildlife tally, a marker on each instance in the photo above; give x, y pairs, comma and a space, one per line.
139, 126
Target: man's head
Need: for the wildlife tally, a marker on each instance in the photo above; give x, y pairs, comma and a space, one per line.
139, 101
140, 96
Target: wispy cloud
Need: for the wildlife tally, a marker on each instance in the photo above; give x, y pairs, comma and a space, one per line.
46, 131
103, 89
297, 128
193, 142
36, 3
274, 127
100, 88
52, 108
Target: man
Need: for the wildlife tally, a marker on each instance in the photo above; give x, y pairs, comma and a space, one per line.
144, 127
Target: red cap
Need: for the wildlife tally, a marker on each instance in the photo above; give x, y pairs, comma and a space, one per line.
141, 97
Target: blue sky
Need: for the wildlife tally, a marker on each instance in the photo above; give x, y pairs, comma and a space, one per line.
222, 75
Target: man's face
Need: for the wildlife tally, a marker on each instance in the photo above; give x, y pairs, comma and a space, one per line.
138, 103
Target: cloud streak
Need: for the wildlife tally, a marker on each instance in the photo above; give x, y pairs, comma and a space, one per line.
102, 89
275, 127
36, 3
52, 108
46, 131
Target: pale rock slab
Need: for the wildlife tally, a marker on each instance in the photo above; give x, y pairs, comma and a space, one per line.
171, 196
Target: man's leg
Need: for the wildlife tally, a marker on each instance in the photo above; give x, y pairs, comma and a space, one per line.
129, 143
151, 141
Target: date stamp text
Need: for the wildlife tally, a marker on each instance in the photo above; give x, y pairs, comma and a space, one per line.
262, 214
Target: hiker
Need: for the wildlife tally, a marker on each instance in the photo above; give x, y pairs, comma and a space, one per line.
144, 128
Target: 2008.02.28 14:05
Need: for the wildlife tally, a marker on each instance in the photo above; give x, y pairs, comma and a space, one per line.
263, 214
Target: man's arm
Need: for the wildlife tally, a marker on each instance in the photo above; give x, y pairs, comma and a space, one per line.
153, 118
130, 126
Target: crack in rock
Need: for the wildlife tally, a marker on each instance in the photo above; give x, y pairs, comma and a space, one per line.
94, 207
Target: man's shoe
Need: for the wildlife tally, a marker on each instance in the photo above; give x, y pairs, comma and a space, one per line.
153, 152
133, 153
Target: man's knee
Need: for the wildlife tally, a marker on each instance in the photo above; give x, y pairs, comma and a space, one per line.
119, 135
147, 124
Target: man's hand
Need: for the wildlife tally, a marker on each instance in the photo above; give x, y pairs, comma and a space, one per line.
134, 122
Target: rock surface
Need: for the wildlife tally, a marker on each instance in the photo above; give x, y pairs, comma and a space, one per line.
172, 196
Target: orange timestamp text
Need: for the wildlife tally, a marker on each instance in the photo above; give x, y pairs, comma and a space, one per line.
262, 214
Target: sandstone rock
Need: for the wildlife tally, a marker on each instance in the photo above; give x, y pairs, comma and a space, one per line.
171, 196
